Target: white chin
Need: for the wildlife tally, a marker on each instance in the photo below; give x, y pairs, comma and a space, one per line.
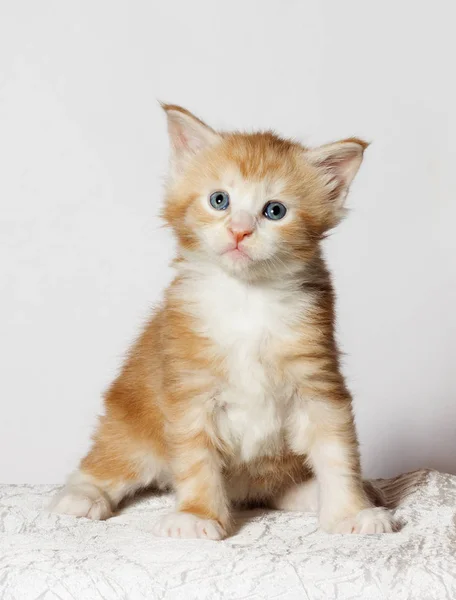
236, 262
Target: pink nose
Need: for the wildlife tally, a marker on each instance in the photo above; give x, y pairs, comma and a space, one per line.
240, 233
241, 225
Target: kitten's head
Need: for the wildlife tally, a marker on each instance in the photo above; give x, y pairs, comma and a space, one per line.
255, 204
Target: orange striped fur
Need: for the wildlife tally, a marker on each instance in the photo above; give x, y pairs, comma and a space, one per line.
233, 393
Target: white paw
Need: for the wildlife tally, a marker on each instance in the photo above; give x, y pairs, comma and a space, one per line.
369, 520
84, 500
186, 525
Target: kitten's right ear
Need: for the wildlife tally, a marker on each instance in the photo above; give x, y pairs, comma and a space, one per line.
188, 135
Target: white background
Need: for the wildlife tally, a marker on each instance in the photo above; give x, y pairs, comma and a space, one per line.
83, 149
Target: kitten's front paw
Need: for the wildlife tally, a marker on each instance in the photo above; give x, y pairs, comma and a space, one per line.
186, 525
369, 520
83, 500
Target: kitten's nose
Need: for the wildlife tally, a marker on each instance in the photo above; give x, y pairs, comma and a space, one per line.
241, 226
239, 235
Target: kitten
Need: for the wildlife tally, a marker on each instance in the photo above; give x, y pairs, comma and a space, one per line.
233, 394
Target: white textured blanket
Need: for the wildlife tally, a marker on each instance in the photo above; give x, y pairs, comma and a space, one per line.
273, 555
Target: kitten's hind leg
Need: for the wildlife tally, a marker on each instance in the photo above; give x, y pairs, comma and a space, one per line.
116, 467
85, 496
299, 497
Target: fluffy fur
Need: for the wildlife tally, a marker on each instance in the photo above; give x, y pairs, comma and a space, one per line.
233, 393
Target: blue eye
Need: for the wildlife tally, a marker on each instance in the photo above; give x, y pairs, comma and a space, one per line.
274, 211
219, 200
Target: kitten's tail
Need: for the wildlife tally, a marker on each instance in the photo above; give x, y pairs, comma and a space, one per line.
390, 492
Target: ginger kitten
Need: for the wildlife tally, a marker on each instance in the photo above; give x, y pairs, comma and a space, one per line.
233, 393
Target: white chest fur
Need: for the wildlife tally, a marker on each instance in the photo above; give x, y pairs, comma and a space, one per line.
249, 326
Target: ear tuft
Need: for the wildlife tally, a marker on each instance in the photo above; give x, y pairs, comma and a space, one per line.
188, 135
355, 140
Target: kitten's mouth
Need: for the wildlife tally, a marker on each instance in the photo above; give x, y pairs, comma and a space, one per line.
237, 253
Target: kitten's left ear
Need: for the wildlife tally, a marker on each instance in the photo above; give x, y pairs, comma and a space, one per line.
188, 135
339, 163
